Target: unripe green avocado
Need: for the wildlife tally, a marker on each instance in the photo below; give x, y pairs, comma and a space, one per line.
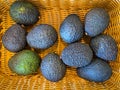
24, 62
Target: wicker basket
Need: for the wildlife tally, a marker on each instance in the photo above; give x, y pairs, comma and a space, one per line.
53, 12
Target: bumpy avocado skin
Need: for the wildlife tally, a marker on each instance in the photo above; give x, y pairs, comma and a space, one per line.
24, 62
52, 67
77, 54
14, 39
42, 36
98, 71
71, 29
105, 47
96, 21
24, 12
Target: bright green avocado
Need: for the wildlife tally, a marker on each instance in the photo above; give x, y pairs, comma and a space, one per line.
24, 62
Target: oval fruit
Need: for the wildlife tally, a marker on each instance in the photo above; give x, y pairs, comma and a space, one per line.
77, 55
71, 29
24, 62
52, 67
14, 39
96, 21
42, 36
98, 71
24, 12
105, 47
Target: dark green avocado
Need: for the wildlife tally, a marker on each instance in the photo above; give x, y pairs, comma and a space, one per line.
24, 12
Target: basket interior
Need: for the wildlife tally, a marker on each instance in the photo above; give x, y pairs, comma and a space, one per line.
53, 12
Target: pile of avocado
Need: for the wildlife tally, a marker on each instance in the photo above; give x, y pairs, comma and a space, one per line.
89, 59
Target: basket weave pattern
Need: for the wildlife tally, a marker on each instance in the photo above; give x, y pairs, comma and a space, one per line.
53, 12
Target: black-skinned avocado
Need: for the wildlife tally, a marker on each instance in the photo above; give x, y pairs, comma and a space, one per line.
14, 39
52, 67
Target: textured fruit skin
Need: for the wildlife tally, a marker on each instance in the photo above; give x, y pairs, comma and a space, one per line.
105, 47
23, 12
98, 71
96, 21
42, 36
52, 67
14, 39
77, 55
71, 29
24, 62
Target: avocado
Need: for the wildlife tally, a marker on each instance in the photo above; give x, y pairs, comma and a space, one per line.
104, 47
24, 12
77, 54
24, 62
14, 39
42, 36
96, 21
97, 71
52, 67
71, 29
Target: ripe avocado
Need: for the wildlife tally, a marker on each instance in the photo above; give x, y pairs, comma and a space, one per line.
42, 36
71, 29
104, 47
98, 71
77, 54
52, 67
96, 21
14, 39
